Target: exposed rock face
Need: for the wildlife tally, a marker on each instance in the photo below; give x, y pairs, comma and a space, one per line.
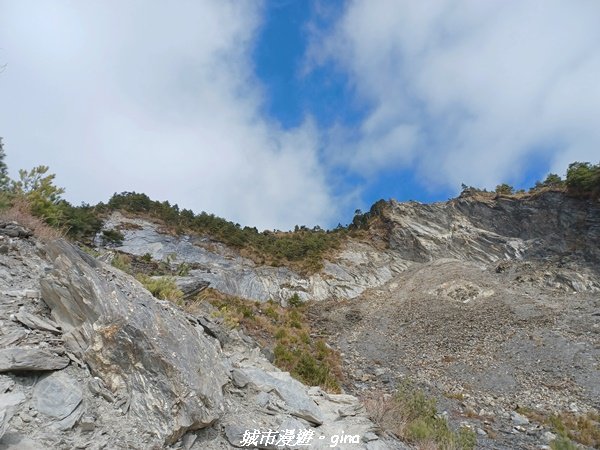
550, 225
19, 359
124, 370
500, 312
169, 370
356, 268
495, 300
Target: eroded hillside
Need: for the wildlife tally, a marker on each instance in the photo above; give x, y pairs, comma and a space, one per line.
489, 302
89, 359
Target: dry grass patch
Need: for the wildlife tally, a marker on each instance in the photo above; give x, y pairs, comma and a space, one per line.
581, 428
411, 415
163, 288
20, 212
287, 332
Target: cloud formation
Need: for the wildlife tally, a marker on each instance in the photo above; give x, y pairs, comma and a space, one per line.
163, 99
158, 98
468, 91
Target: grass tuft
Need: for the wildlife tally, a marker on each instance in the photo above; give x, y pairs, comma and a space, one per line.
412, 416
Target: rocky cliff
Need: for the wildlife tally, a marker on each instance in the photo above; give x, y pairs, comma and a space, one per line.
89, 359
548, 226
490, 303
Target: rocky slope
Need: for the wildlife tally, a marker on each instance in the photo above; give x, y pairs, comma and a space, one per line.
490, 303
550, 226
89, 359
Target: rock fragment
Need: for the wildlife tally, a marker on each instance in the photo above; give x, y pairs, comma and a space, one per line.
30, 359
57, 395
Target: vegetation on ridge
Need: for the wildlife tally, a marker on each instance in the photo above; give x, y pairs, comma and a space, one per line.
582, 180
568, 426
303, 249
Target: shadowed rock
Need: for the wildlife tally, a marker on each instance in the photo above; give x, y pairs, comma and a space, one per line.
146, 351
8, 404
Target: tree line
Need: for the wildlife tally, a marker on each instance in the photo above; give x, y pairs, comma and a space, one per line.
303, 248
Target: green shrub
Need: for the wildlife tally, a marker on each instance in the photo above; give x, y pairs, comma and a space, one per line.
412, 415
553, 180
81, 222
280, 333
183, 270
4, 178
163, 288
271, 312
288, 332
112, 237
42, 195
294, 301
584, 179
563, 443
504, 189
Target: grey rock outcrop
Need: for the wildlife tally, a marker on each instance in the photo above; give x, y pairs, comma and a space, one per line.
167, 368
357, 267
14, 230
289, 390
550, 225
134, 372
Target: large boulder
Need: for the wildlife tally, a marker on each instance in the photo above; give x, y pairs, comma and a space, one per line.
146, 351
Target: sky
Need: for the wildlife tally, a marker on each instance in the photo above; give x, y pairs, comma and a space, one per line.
284, 112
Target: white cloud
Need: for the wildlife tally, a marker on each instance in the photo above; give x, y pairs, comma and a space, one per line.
158, 98
479, 87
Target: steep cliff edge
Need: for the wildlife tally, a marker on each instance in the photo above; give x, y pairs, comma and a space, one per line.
550, 224
498, 316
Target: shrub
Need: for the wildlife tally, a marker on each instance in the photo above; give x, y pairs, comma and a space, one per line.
553, 180
80, 222
583, 179
122, 262
563, 443
163, 288
4, 179
183, 270
412, 415
581, 428
112, 237
287, 331
294, 301
43, 197
504, 189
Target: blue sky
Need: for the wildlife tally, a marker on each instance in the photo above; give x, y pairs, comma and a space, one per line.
283, 112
